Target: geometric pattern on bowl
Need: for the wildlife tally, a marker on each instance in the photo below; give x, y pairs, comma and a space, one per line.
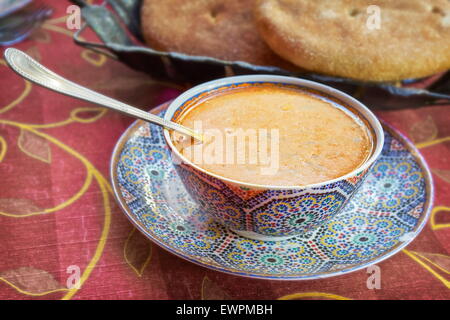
382, 217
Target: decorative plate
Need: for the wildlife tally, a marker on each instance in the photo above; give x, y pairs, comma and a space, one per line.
384, 216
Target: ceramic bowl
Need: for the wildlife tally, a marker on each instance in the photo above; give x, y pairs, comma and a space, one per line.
270, 212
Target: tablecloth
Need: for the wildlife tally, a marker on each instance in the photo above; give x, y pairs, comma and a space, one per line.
59, 219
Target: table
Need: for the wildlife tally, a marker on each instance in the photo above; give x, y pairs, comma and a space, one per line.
58, 216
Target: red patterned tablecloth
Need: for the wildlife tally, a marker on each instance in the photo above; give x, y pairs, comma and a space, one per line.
57, 211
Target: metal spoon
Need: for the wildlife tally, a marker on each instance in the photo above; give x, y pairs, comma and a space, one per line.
30, 69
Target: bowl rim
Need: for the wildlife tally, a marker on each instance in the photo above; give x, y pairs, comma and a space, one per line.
346, 99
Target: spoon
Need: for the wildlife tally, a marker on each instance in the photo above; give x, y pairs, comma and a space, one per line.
32, 70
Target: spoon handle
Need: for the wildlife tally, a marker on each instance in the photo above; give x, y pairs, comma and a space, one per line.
31, 70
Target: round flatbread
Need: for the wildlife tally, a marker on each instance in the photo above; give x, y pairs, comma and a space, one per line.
223, 29
373, 40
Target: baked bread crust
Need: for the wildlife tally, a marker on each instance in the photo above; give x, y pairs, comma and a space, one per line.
332, 37
216, 28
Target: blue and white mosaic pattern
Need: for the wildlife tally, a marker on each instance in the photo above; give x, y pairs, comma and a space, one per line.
382, 217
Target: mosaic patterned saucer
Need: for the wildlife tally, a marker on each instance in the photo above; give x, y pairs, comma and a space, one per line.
384, 216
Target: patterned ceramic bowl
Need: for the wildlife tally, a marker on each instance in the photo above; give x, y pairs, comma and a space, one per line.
266, 212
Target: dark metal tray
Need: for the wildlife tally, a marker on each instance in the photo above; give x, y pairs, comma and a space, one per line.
117, 25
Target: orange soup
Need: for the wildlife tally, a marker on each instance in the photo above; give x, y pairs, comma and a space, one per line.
270, 135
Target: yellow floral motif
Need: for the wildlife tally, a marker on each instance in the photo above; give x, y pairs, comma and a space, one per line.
299, 202
125, 159
93, 58
32, 294
3, 148
419, 176
73, 117
379, 164
206, 245
217, 196
396, 204
241, 244
323, 242
129, 175
216, 232
236, 214
44, 155
105, 189
352, 220
388, 222
337, 254
362, 222
397, 201
306, 264
92, 174
421, 260
280, 204
331, 197
265, 217
26, 91
235, 256
302, 295
432, 142
139, 271
333, 224
100, 113
404, 164
136, 151
153, 152
416, 190
437, 226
